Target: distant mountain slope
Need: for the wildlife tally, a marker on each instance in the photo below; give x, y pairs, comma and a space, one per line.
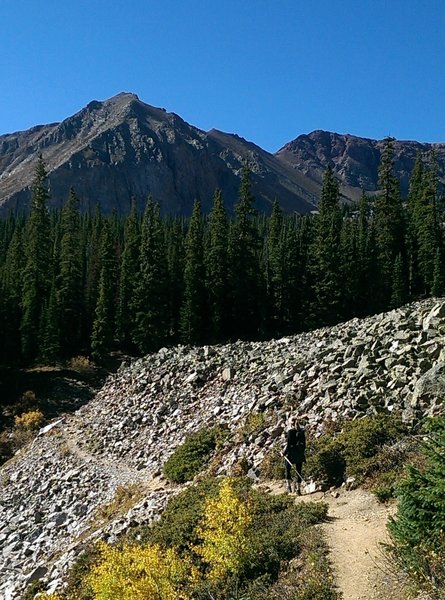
355, 160
122, 147
112, 150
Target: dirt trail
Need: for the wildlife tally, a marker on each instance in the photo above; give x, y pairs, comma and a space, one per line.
354, 532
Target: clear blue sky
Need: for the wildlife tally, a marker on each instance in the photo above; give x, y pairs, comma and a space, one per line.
266, 70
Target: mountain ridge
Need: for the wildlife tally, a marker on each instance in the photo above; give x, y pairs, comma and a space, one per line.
113, 150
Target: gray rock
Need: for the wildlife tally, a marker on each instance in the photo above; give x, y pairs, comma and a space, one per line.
431, 384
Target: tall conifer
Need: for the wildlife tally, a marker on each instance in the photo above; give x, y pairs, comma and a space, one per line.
216, 261
389, 223
326, 258
103, 326
193, 310
69, 282
128, 278
243, 263
151, 300
37, 269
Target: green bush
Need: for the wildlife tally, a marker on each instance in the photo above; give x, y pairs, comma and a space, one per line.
178, 523
361, 449
362, 441
78, 586
325, 461
192, 456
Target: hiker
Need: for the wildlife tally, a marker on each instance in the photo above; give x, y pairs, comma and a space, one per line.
294, 454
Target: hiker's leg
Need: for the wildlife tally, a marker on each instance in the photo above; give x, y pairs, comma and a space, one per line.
298, 478
287, 469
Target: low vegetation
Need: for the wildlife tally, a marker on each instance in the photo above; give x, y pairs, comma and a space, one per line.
370, 452
23, 431
192, 456
218, 539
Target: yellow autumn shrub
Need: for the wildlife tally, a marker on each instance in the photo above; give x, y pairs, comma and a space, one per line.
225, 533
30, 420
140, 573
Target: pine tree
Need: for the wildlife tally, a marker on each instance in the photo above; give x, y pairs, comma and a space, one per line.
399, 295
243, 264
349, 273
438, 287
175, 235
151, 295
49, 352
69, 281
193, 310
11, 294
91, 242
128, 279
389, 223
217, 268
427, 229
417, 530
103, 327
413, 201
326, 258
275, 269
366, 259
298, 288
37, 269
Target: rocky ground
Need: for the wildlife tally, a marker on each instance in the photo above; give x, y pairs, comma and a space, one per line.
54, 493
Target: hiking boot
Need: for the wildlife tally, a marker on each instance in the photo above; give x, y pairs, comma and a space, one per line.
297, 489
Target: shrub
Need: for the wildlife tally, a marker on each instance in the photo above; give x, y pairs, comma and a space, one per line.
78, 585
238, 539
135, 572
360, 450
177, 525
125, 497
225, 535
363, 440
192, 456
30, 420
325, 461
253, 423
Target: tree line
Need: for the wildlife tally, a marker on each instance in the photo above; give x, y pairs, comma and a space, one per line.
74, 283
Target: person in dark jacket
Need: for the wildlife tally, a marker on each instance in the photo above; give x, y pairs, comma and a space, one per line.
294, 454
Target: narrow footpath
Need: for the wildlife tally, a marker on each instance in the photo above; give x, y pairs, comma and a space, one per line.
355, 532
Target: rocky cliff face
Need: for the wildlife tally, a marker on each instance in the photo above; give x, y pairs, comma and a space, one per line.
355, 160
53, 493
113, 150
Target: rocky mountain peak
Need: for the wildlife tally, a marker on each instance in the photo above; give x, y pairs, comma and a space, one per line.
355, 160
119, 148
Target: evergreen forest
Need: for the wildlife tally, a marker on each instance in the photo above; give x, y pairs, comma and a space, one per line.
89, 284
